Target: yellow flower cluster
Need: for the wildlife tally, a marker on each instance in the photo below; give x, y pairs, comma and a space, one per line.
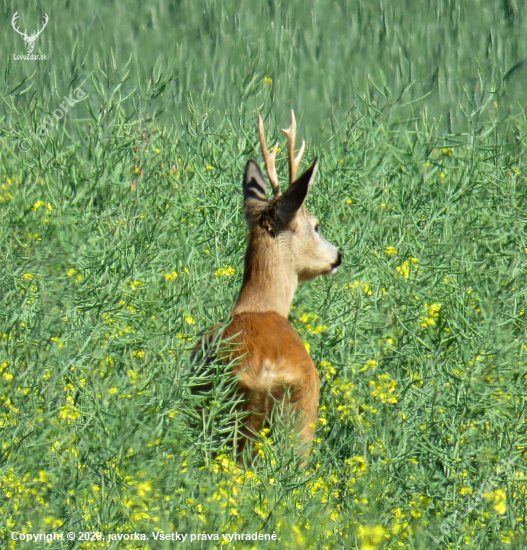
358, 284
405, 268
342, 391
226, 271
432, 313
371, 537
307, 319
499, 500
68, 412
6, 187
383, 389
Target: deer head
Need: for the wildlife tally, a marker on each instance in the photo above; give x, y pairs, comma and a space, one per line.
285, 243
29, 40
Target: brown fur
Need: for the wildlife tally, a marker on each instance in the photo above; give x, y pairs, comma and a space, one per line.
273, 362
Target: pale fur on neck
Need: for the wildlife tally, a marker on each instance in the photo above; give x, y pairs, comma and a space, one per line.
269, 281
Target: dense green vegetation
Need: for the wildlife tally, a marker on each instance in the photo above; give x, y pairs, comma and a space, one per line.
122, 241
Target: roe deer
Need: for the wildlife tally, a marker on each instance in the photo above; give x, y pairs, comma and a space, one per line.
285, 247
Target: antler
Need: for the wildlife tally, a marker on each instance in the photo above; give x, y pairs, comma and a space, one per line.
269, 159
294, 162
36, 33
13, 21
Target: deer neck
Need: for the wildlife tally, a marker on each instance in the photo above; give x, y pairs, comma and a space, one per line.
269, 281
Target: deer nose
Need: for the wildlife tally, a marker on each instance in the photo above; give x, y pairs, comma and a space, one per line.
338, 261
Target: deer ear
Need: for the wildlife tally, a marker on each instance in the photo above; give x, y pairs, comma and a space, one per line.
254, 191
293, 199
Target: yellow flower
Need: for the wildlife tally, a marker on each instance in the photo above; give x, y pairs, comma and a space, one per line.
227, 271
53, 523
433, 313
316, 330
433, 310
37, 205
404, 269
500, 505
307, 317
170, 276
144, 488
43, 477
268, 80
371, 537
358, 463
383, 389
68, 411
371, 364
390, 251
133, 376
189, 320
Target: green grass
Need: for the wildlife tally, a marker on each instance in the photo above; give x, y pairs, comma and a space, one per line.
122, 241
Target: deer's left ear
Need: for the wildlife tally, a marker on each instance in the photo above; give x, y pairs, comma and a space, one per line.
254, 191
293, 199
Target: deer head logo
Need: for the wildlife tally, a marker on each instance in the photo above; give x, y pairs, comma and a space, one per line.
29, 40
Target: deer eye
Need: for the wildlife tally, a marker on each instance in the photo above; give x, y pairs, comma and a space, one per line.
317, 227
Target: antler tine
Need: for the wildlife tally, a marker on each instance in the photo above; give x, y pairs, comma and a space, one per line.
269, 159
294, 162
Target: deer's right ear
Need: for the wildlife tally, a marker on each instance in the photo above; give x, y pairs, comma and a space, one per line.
254, 191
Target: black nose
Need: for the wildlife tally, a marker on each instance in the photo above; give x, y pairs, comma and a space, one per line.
338, 261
